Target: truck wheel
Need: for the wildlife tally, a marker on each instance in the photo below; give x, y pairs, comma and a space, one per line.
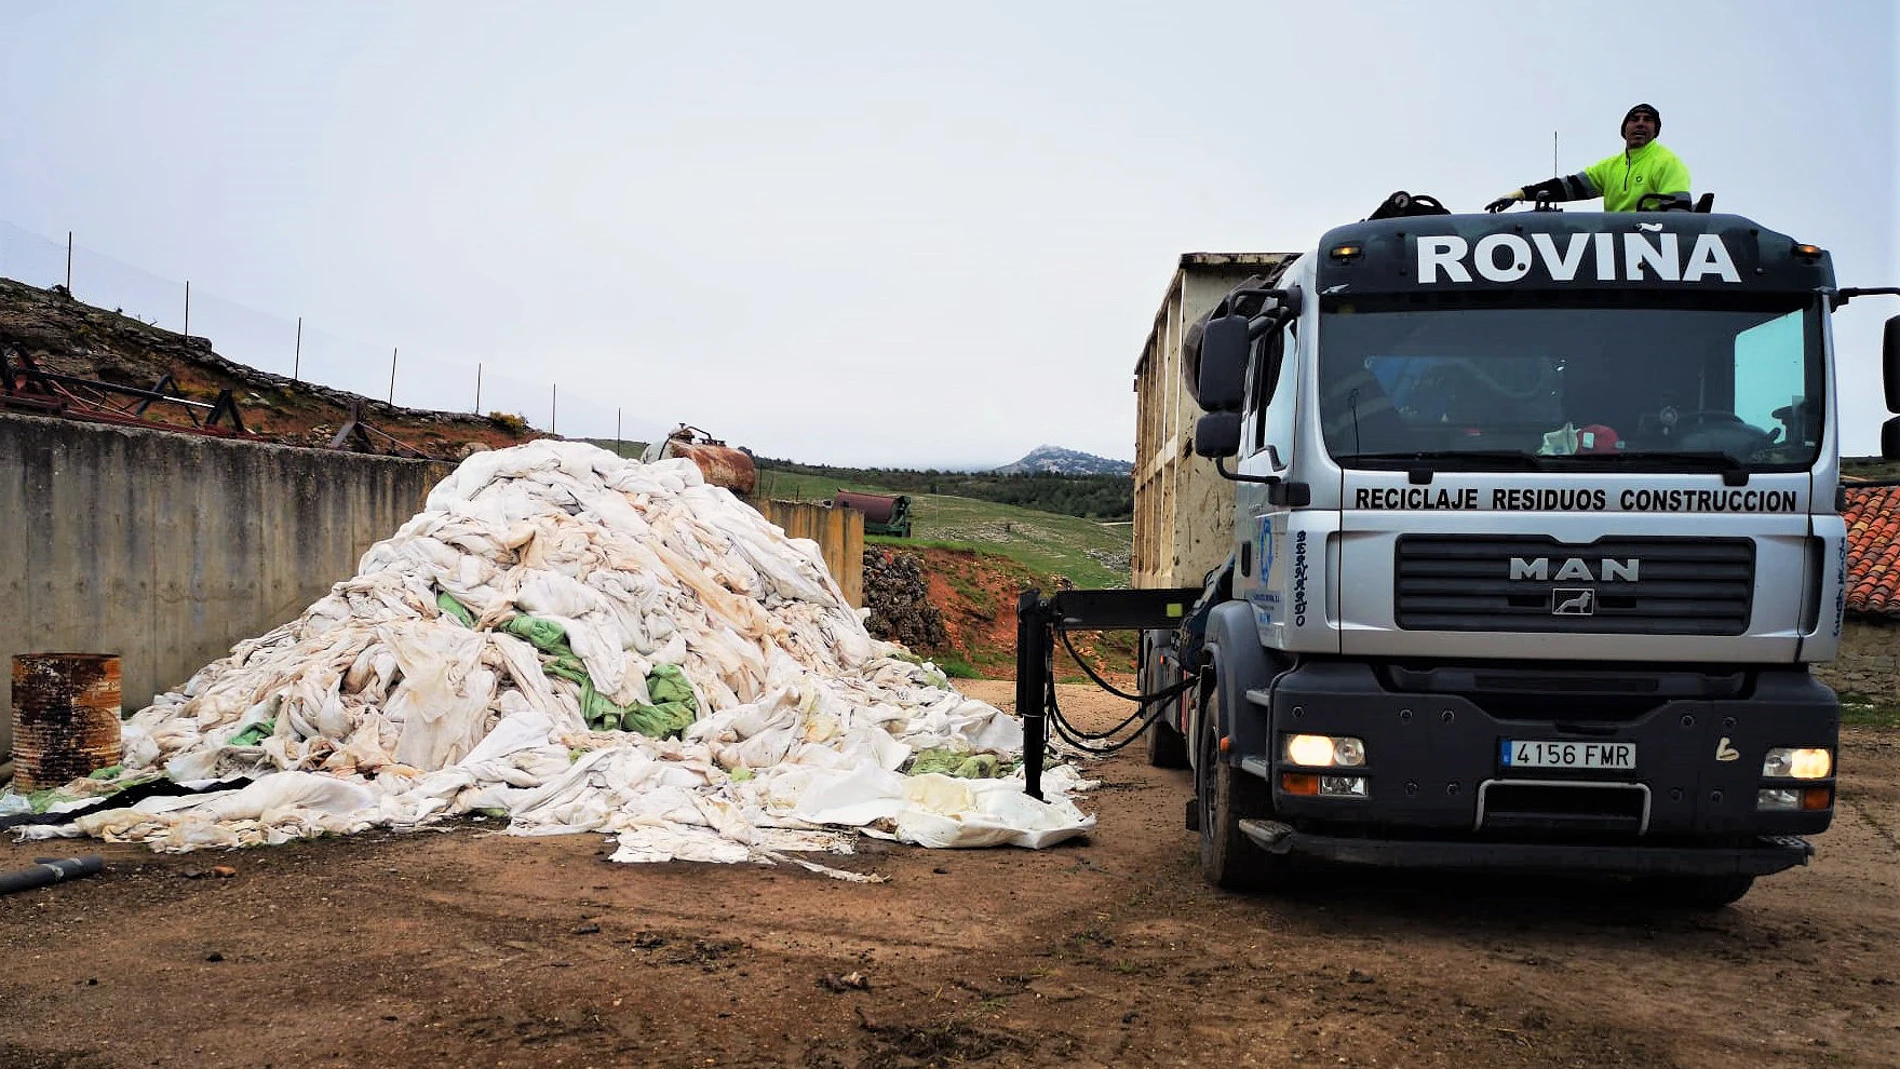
1226, 796
1699, 892
1167, 748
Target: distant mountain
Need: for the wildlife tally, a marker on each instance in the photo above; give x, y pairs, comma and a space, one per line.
1054, 459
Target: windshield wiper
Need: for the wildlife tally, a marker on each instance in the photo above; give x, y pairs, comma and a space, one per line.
1734, 472
1451, 459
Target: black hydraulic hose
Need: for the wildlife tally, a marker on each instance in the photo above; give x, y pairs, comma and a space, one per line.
51, 870
1147, 711
1145, 699
1091, 743
1093, 747
1141, 714
1040, 711
1096, 749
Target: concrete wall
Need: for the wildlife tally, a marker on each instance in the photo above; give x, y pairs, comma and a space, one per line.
838, 532
1868, 665
167, 549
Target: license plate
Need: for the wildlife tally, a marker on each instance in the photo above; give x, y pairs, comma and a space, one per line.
1539, 753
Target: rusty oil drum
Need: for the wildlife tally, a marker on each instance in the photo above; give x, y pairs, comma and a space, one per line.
721, 464
65, 717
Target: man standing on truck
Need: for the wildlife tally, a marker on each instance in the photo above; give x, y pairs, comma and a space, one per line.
1644, 169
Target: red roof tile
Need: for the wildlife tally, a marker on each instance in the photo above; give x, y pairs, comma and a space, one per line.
1873, 549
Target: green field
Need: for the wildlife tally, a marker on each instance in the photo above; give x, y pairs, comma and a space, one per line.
1090, 554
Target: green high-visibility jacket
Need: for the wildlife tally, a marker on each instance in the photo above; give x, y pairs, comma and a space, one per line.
1622, 179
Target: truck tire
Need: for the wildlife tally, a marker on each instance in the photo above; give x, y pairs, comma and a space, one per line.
1167, 748
1225, 796
1698, 892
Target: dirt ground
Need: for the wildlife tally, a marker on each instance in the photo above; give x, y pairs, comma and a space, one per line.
463, 947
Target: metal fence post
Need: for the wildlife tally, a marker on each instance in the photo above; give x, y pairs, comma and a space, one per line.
392, 375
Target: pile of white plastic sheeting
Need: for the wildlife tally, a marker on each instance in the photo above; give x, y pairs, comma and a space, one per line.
382, 706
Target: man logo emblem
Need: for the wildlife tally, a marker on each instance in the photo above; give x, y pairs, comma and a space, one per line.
1573, 601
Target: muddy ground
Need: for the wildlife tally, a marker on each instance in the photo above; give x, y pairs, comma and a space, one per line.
462, 947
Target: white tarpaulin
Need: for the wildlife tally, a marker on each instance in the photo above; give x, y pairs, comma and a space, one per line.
544, 587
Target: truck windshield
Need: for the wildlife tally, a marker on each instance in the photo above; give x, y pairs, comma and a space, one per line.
1658, 388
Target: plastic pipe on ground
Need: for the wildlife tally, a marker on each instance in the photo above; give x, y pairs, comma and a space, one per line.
51, 870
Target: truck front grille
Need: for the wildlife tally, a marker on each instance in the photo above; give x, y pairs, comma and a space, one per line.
1614, 586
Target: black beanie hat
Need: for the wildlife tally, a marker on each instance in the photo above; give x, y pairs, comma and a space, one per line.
1628, 115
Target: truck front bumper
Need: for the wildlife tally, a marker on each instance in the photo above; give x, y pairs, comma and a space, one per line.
1433, 766
1761, 857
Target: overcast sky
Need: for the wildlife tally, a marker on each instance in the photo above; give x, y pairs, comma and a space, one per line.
879, 234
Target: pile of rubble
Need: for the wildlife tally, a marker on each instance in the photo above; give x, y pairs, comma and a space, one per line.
899, 599
580, 643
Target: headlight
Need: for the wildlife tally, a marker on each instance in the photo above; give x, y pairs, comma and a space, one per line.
1788, 762
1324, 751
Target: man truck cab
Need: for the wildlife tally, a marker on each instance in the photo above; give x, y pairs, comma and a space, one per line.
1535, 536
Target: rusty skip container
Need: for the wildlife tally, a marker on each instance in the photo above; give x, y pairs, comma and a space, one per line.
65, 717
1184, 510
721, 464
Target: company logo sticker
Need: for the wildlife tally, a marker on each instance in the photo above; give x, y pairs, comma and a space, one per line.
1639, 257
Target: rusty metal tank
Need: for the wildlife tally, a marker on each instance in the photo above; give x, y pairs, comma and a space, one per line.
65, 717
721, 464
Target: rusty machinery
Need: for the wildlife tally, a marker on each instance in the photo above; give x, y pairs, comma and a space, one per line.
720, 463
26, 386
884, 514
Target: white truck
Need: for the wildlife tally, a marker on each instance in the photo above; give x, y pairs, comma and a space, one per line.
1529, 537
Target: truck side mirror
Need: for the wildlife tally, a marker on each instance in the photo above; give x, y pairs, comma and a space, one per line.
1217, 434
1222, 384
1889, 439
1890, 362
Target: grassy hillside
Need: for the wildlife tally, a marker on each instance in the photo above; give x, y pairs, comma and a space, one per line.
1095, 497
1089, 553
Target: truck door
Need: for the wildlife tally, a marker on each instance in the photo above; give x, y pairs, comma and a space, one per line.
1260, 516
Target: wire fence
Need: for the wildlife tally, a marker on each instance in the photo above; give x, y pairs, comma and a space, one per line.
294, 348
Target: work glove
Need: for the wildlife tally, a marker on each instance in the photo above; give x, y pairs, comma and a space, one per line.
1505, 201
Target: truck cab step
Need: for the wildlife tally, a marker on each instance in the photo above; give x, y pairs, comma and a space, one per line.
1265, 832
